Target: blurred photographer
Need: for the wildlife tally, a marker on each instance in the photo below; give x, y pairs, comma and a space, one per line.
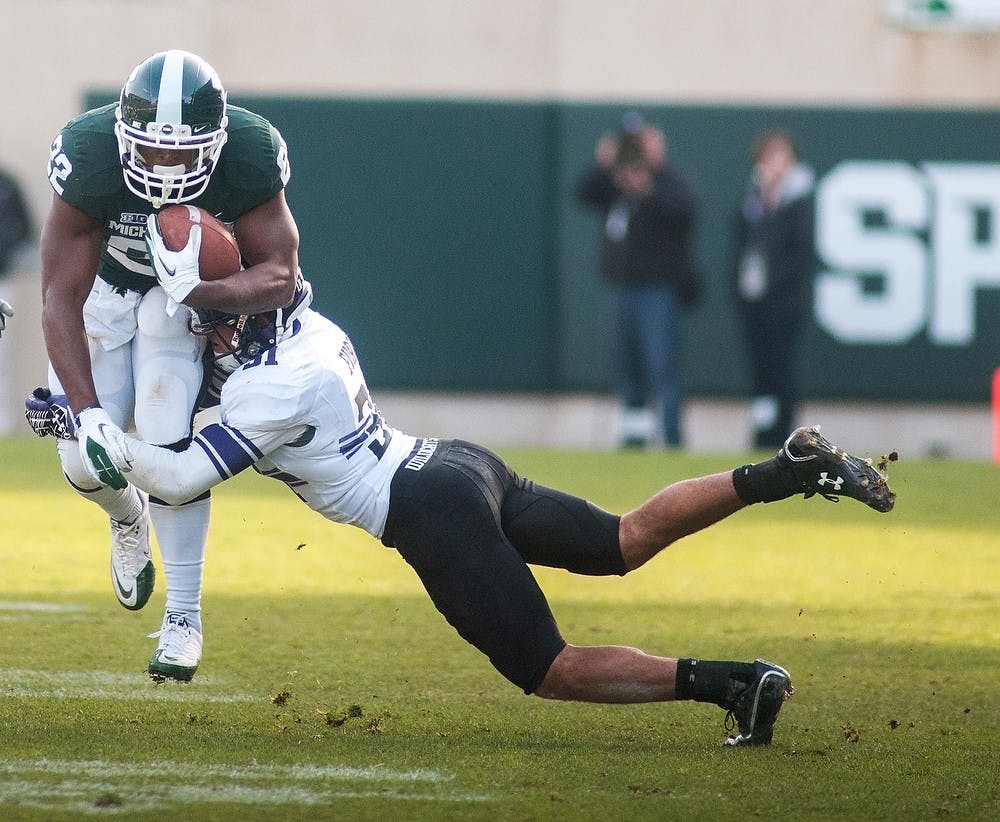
649, 208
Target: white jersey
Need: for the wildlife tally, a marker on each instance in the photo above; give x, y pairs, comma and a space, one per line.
301, 413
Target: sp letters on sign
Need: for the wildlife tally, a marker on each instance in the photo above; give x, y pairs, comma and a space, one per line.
906, 249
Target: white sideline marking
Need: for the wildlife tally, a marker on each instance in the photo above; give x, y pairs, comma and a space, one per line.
199, 772
107, 685
81, 784
36, 607
14, 611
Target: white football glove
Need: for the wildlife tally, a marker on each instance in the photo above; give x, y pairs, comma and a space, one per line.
102, 447
177, 271
5, 312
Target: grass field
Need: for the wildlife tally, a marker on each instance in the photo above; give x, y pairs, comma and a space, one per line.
331, 688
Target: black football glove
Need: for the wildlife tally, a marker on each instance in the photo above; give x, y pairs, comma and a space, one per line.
48, 414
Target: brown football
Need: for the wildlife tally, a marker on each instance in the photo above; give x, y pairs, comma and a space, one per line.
219, 255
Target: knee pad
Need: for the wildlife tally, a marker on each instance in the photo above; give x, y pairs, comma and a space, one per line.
72, 466
164, 404
153, 321
168, 371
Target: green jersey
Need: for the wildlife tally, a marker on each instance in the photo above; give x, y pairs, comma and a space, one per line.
86, 172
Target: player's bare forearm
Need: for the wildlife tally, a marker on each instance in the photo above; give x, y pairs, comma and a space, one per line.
66, 343
264, 287
269, 244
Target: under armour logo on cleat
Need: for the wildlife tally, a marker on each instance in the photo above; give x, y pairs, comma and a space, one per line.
824, 479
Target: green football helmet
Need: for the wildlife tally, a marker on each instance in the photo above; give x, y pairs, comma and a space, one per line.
172, 102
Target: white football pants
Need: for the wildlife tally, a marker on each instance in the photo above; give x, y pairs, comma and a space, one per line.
147, 370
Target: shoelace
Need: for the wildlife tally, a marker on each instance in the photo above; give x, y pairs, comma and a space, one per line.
126, 544
175, 630
824, 494
792, 458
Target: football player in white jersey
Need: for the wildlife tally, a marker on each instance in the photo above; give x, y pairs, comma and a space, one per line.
295, 406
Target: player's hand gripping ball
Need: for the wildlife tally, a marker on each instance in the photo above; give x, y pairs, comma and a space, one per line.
218, 255
188, 246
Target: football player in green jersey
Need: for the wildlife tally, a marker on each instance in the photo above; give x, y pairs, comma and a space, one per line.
118, 339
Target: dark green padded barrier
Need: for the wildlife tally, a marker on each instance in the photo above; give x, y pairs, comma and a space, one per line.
443, 236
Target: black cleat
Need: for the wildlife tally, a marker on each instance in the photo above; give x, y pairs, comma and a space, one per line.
823, 468
755, 709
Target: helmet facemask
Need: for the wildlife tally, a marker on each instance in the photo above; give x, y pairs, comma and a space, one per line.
164, 185
173, 101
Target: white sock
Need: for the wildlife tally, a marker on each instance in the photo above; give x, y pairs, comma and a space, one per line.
181, 533
121, 506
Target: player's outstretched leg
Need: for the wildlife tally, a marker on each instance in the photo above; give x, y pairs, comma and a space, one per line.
752, 693
808, 463
823, 468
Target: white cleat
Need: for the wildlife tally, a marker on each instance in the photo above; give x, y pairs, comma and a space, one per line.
132, 569
178, 652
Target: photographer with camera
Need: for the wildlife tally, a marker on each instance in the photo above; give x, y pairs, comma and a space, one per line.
649, 207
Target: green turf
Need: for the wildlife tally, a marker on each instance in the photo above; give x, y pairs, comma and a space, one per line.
331, 688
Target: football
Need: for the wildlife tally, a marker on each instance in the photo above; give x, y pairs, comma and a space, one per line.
219, 255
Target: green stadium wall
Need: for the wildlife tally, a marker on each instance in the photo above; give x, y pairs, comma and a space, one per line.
444, 237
